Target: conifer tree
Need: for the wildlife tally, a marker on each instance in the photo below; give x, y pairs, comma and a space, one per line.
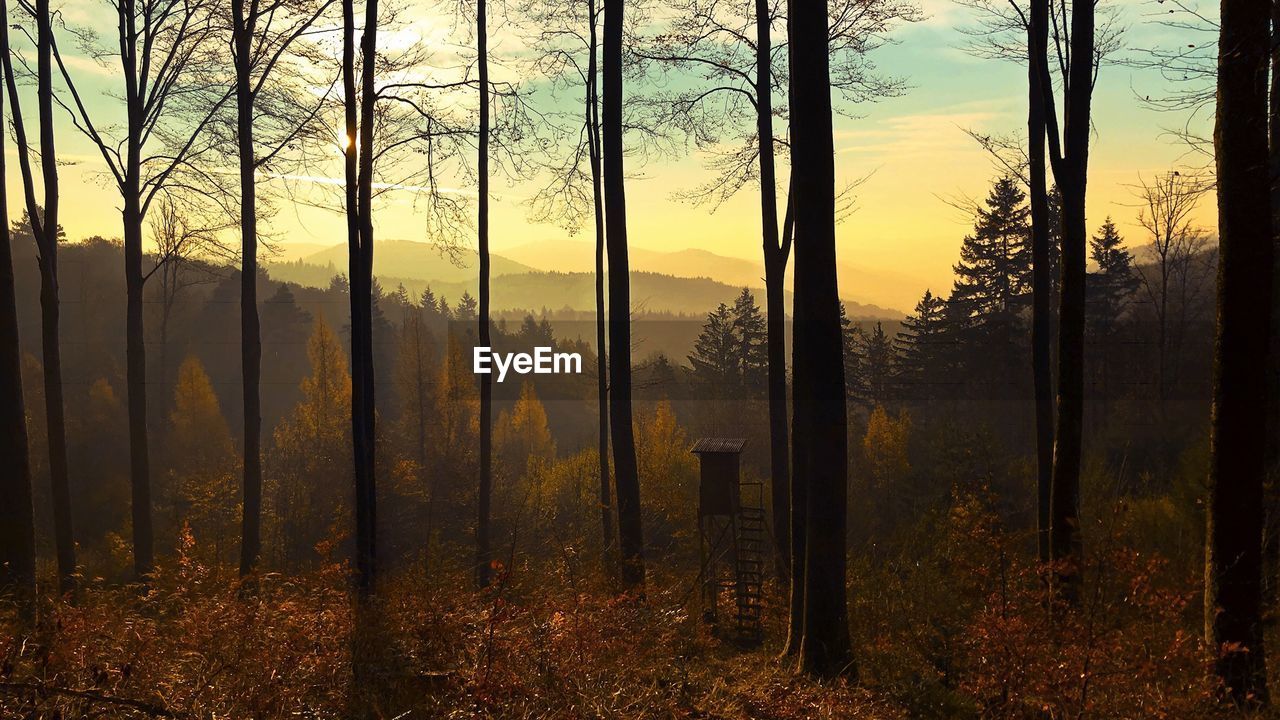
922, 350
749, 331
716, 351
1114, 281
877, 352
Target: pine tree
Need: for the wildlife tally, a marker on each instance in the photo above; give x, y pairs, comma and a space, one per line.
716, 351
993, 284
994, 272
853, 339
922, 350
466, 312
1115, 280
749, 332
877, 351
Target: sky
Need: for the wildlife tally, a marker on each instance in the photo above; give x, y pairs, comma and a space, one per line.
912, 151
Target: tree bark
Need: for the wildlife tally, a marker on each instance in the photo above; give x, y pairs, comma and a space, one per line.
631, 534
17, 515
775, 267
250, 331
1233, 557
358, 117
43, 223
1070, 160
484, 498
819, 434
1041, 281
602, 354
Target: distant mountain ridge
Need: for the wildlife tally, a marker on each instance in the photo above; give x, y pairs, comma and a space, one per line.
687, 282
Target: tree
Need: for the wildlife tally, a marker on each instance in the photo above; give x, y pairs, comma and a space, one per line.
921, 350
1115, 279
310, 449
202, 459
482, 242
1177, 272
563, 40
167, 55
44, 227
878, 358
1111, 289
630, 528
992, 281
262, 35
853, 340
715, 353
358, 154
18, 528
819, 438
730, 69
1238, 429
1078, 54
750, 335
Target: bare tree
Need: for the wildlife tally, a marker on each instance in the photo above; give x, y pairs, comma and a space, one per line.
1179, 266
166, 57
1025, 33
17, 515
1238, 428
729, 69
183, 236
630, 529
43, 220
264, 35
573, 191
482, 241
819, 436
358, 154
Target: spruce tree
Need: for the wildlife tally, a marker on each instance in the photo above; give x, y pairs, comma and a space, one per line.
750, 336
1114, 280
877, 351
715, 353
922, 350
993, 284
856, 388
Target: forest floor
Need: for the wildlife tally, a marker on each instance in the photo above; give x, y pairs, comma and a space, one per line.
200, 645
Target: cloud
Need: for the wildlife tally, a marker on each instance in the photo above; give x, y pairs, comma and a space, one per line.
919, 134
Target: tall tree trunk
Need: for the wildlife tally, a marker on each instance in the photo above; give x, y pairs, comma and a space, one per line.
366, 448
631, 533
1070, 168
250, 332
136, 379
17, 515
819, 434
1238, 435
1271, 545
135, 336
602, 354
358, 118
1041, 279
775, 267
484, 498
44, 228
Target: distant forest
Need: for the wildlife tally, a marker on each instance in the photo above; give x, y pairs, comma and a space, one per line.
239, 487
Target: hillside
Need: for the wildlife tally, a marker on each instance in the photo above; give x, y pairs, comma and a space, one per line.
865, 286
687, 282
535, 290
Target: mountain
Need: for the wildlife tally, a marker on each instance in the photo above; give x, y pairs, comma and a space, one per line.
557, 275
862, 285
417, 260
